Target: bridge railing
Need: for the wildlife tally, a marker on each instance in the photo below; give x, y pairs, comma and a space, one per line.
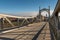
11, 22
54, 27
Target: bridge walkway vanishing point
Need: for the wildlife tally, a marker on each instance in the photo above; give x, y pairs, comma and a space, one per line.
35, 31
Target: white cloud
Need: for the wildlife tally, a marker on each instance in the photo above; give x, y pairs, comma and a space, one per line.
28, 13
44, 13
33, 13
51, 11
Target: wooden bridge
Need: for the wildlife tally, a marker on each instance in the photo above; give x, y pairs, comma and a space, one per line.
35, 31
31, 28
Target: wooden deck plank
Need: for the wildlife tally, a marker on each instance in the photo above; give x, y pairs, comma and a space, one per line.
23, 33
45, 33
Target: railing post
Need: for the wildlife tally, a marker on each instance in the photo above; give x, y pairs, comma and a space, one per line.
18, 22
2, 23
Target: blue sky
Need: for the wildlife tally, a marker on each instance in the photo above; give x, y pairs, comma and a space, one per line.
24, 7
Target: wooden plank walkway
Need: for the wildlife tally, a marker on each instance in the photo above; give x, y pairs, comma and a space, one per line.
26, 32
45, 33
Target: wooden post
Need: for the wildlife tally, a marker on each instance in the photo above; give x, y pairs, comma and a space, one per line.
9, 22
46, 18
2, 23
22, 22
49, 13
39, 13
27, 21
32, 20
18, 22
